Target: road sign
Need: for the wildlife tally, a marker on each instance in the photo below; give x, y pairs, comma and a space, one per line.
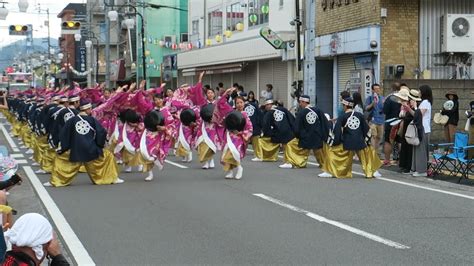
272, 38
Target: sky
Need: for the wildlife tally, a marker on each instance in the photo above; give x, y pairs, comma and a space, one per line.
33, 17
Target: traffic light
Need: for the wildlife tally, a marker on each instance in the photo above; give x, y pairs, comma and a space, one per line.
71, 25
19, 29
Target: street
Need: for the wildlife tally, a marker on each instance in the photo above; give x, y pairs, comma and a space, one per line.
271, 216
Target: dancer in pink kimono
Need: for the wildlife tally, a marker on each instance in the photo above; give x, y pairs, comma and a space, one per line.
129, 141
207, 143
237, 135
156, 139
188, 100
190, 119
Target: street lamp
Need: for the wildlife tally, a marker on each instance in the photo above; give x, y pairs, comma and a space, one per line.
113, 16
23, 5
3, 11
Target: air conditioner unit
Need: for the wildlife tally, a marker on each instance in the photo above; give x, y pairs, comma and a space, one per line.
170, 38
457, 33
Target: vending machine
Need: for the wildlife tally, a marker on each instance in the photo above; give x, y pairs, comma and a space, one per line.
361, 81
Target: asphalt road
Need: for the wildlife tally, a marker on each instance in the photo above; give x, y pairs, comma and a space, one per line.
271, 216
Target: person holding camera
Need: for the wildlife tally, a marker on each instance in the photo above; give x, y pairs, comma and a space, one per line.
376, 119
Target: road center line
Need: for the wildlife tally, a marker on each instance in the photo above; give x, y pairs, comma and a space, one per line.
176, 164
9, 139
404, 183
340, 225
78, 252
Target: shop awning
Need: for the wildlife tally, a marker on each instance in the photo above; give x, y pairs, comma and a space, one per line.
215, 69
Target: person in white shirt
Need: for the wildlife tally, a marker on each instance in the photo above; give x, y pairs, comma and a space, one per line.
421, 152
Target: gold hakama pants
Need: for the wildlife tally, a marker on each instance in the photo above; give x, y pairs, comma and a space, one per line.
130, 159
339, 162
295, 155
102, 171
257, 150
47, 162
64, 171
36, 147
229, 161
269, 149
16, 128
40, 148
26, 135
181, 151
298, 156
205, 153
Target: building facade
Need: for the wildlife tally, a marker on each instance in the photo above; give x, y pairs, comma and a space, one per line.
166, 30
361, 42
226, 41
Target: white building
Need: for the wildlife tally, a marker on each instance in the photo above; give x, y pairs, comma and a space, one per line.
244, 57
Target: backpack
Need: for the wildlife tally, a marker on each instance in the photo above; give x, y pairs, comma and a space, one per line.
411, 135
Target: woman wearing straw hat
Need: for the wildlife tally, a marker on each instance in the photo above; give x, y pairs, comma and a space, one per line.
406, 149
451, 109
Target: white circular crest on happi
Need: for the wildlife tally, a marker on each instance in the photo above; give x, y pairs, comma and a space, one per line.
82, 127
311, 118
68, 116
278, 115
250, 110
353, 122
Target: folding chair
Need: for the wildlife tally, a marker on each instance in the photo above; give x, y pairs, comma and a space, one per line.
465, 164
447, 160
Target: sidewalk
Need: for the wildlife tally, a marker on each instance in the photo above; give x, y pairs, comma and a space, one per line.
23, 198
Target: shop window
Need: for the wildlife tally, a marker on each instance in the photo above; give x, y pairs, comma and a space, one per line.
195, 29
235, 15
215, 22
258, 12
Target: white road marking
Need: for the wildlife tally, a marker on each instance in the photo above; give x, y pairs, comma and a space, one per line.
405, 183
80, 254
176, 164
17, 155
21, 161
9, 138
426, 188
340, 225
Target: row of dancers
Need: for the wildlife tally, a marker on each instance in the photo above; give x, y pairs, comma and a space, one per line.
74, 130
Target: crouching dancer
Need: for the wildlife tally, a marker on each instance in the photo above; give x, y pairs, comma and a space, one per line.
82, 141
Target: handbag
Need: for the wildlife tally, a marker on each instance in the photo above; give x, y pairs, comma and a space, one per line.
411, 135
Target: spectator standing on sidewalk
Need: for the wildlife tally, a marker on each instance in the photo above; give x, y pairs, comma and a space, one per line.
453, 114
374, 105
267, 94
420, 153
391, 109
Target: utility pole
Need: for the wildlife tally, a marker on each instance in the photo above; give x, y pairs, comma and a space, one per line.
49, 35
107, 45
310, 53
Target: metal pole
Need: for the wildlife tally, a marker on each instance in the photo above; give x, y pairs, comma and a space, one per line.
298, 32
49, 32
143, 46
310, 53
107, 45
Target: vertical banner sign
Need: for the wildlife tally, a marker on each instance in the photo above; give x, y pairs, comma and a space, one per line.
82, 59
